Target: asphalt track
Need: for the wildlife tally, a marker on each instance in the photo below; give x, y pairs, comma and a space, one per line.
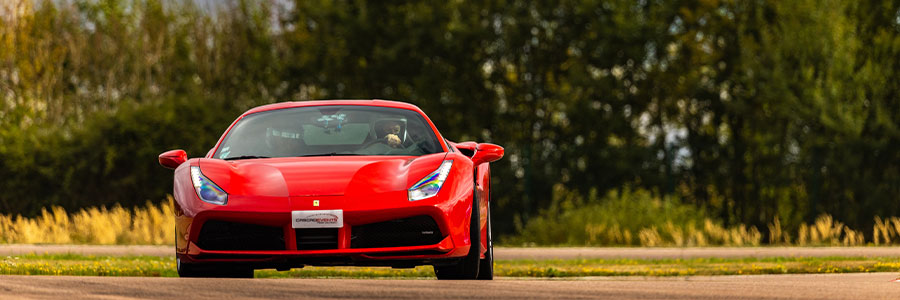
822, 286
505, 253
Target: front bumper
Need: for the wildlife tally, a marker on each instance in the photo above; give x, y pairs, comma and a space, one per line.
372, 234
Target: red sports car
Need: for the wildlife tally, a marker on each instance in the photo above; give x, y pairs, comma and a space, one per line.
334, 183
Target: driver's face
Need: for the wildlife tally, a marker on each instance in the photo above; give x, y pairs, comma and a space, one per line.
392, 128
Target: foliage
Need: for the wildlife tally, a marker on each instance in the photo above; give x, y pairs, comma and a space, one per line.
753, 110
616, 219
636, 218
111, 160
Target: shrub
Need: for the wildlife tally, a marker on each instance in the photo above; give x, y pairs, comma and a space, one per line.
637, 218
629, 217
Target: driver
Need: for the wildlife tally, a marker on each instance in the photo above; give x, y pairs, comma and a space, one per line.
284, 141
392, 133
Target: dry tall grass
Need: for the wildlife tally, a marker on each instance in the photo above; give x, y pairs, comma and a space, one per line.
640, 218
154, 225
149, 225
825, 231
710, 234
886, 231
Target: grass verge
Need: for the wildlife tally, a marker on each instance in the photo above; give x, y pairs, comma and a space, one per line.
165, 267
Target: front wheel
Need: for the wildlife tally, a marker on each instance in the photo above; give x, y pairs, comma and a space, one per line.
467, 267
486, 268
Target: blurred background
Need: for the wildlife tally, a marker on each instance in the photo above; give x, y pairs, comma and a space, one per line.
626, 122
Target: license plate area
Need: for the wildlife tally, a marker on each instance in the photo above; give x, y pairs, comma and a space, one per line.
317, 218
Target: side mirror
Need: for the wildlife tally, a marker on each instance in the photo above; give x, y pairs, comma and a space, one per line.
467, 148
486, 153
172, 159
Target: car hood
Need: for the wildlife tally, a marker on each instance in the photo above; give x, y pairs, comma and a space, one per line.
319, 176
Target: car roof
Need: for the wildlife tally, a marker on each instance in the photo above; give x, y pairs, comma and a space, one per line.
373, 102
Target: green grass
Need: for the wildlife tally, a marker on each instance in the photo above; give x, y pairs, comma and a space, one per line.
697, 266
71, 264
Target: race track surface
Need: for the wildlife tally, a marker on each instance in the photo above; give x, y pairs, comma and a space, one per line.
827, 286
505, 253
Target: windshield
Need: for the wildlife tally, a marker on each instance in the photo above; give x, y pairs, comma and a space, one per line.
329, 130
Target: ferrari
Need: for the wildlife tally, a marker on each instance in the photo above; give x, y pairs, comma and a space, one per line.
334, 183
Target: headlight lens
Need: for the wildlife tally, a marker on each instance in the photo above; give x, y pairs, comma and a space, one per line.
431, 184
207, 190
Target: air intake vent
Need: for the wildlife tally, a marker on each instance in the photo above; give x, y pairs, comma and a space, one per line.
317, 238
413, 231
221, 235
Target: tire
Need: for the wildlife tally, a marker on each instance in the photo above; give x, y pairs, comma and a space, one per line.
186, 269
213, 270
486, 264
467, 267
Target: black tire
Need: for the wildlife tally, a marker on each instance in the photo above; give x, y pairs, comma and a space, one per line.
213, 270
467, 267
486, 265
186, 269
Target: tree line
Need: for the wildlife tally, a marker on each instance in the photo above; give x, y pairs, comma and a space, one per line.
752, 110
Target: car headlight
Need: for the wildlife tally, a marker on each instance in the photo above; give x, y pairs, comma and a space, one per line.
431, 184
207, 190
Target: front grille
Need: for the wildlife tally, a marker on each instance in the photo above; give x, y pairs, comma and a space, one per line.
221, 235
412, 231
317, 238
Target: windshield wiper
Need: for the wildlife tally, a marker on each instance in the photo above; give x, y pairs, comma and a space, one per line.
245, 157
330, 154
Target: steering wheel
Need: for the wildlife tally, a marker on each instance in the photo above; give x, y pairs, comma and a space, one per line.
419, 146
369, 144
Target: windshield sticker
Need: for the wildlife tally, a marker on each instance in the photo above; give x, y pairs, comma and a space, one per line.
287, 134
224, 152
